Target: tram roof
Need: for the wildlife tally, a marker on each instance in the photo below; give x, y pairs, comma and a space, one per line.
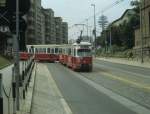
48, 45
57, 46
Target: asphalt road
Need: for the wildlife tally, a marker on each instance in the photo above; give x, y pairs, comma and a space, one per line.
82, 97
128, 81
139, 71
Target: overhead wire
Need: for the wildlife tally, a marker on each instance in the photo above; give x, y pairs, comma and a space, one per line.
101, 12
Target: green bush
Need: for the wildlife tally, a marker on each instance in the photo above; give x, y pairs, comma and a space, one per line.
116, 52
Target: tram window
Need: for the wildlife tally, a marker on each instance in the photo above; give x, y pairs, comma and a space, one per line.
52, 50
84, 52
36, 50
60, 50
74, 52
40, 50
48, 50
56, 50
44, 50
30, 51
69, 51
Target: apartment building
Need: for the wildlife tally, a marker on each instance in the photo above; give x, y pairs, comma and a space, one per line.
59, 33
50, 35
35, 23
65, 32
43, 27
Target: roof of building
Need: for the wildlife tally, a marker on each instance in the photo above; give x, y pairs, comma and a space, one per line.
124, 17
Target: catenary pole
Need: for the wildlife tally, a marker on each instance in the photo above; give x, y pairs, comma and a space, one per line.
16, 55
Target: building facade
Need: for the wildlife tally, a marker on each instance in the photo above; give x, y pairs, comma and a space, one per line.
50, 35
142, 33
65, 32
30, 32
146, 23
35, 23
58, 25
43, 32
43, 27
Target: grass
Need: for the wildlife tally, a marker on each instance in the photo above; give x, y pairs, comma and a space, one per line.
3, 62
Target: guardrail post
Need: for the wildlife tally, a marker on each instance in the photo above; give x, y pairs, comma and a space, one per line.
1, 95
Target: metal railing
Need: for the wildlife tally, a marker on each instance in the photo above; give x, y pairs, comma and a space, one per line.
10, 95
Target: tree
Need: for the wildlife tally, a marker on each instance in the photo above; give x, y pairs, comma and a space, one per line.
136, 5
103, 22
122, 35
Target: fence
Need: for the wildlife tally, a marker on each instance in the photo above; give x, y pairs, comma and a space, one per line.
1, 96
8, 89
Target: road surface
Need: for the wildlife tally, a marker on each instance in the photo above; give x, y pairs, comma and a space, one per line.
85, 99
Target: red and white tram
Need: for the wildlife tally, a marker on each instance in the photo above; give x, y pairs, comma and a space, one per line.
77, 56
49, 53
80, 56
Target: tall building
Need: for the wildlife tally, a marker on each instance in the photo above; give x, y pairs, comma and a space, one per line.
30, 33
65, 32
35, 23
58, 25
43, 25
50, 35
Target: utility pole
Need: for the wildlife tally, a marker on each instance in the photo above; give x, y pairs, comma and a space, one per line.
1, 94
141, 31
87, 28
110, 42
94, 28
16, 55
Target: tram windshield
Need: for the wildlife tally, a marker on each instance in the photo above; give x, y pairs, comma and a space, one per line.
84, 52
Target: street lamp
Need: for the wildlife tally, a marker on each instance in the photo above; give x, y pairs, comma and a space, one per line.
87, 28
93, 5
16, 55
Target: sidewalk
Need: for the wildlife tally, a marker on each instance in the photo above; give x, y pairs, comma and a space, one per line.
126, 61
47, 98
25, 105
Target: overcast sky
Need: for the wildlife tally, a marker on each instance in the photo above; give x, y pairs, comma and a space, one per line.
75, 11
